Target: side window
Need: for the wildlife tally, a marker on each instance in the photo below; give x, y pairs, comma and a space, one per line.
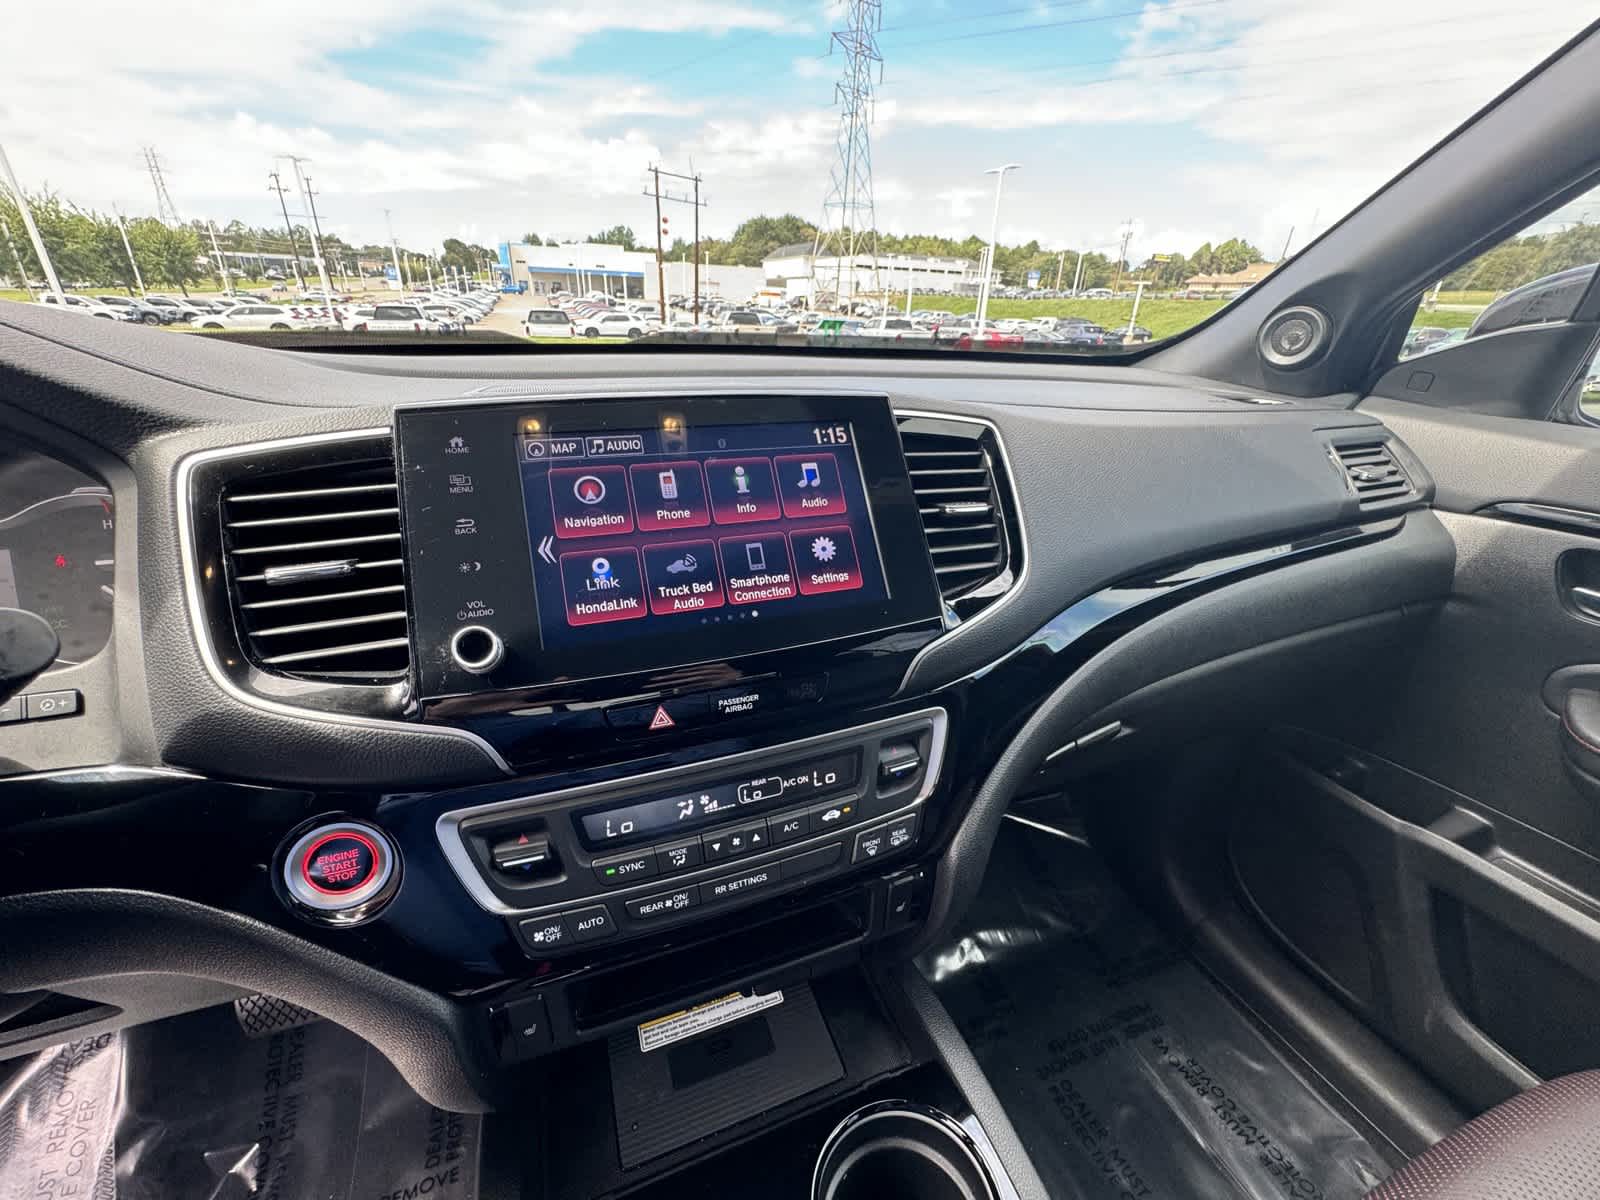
1589, 393
1535, 277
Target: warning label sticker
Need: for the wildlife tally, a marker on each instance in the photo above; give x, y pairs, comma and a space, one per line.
663, 1031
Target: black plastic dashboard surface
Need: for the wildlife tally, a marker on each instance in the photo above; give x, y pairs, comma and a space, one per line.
1114, 470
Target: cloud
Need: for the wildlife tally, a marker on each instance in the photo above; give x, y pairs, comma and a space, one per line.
1209, 121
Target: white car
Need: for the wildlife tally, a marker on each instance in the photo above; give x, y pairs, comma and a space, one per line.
89, 306
548, 322
186, 310
255, 316
397, 318
611, 324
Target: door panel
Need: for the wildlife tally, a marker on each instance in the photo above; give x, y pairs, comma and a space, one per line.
1445, 874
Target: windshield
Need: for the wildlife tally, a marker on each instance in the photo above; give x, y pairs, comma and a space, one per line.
1071, 177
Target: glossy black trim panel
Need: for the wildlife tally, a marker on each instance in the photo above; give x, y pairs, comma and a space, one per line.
1548, 516
448, 827
197, 496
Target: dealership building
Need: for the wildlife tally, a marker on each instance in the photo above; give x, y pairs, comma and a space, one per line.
801, 273
582, 267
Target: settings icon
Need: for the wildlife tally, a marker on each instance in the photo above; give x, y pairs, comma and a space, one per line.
823, 549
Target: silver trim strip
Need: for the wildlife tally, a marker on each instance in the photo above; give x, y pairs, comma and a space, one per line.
1020, 581
197, 625
448, 827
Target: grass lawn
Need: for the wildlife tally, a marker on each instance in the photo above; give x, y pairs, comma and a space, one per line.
1444, 320
1162, 318
1467, 297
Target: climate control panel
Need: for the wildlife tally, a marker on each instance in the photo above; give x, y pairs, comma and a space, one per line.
624, 858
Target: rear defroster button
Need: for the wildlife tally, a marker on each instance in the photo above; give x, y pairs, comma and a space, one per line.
340, 872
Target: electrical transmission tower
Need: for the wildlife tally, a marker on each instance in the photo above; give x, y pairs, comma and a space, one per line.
165, 208
849, 222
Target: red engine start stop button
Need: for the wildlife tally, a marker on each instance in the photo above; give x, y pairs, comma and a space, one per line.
338, 863
340, 871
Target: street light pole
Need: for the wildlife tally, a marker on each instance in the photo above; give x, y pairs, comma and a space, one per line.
999, 174
132, 262
33, 230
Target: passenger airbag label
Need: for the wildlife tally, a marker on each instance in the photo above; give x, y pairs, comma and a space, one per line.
663, 1031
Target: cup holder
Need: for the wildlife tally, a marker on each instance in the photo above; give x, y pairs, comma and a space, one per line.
896, 1150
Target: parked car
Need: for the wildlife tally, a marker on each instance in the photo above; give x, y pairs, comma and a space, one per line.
1099, 294
397, 318
1420, 338
548, 322
256, 317
143, 312
611, 324
182, 310
91, 306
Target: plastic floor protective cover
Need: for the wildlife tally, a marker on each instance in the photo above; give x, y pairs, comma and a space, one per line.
192, 1109
1126, 1072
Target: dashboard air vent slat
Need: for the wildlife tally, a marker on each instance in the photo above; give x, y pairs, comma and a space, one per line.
953, 479
1372, 472
330, 607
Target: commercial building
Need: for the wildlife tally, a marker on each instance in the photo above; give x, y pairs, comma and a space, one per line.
806, 275
1230, 284
582, 267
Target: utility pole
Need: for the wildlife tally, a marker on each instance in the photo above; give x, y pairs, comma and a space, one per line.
1077, 276
394, 247
1061, 262
1122, 254
1138, 295
1286, 241
849, 218
16, 256
661, 230
316, 227
316, 239
694, 201
909, 282
222, 267
33, 230
294, 246
132, 262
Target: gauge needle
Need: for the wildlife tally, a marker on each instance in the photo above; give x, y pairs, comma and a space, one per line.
107, 589
104, 562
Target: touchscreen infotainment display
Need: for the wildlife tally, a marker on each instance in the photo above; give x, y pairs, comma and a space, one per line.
576, 540
643, 532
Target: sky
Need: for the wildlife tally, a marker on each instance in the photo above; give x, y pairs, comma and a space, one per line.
1185, 121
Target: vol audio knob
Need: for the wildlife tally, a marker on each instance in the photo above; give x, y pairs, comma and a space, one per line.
477, 648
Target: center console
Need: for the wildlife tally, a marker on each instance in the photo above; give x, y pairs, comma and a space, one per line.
615, 860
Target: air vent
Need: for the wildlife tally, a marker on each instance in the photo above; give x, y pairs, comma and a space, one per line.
954, 481
1372, 471
317, 573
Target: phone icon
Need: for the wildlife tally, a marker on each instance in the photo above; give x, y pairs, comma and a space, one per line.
756, 555
669, 484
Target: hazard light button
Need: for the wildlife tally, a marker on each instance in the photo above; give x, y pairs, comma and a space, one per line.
659, 716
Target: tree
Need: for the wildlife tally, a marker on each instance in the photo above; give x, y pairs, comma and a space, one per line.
617, 235
532, 239
167, 257
460, 255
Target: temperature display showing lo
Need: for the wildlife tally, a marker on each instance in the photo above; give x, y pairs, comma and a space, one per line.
657, 532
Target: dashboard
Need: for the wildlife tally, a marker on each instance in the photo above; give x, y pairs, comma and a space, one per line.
501, 705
